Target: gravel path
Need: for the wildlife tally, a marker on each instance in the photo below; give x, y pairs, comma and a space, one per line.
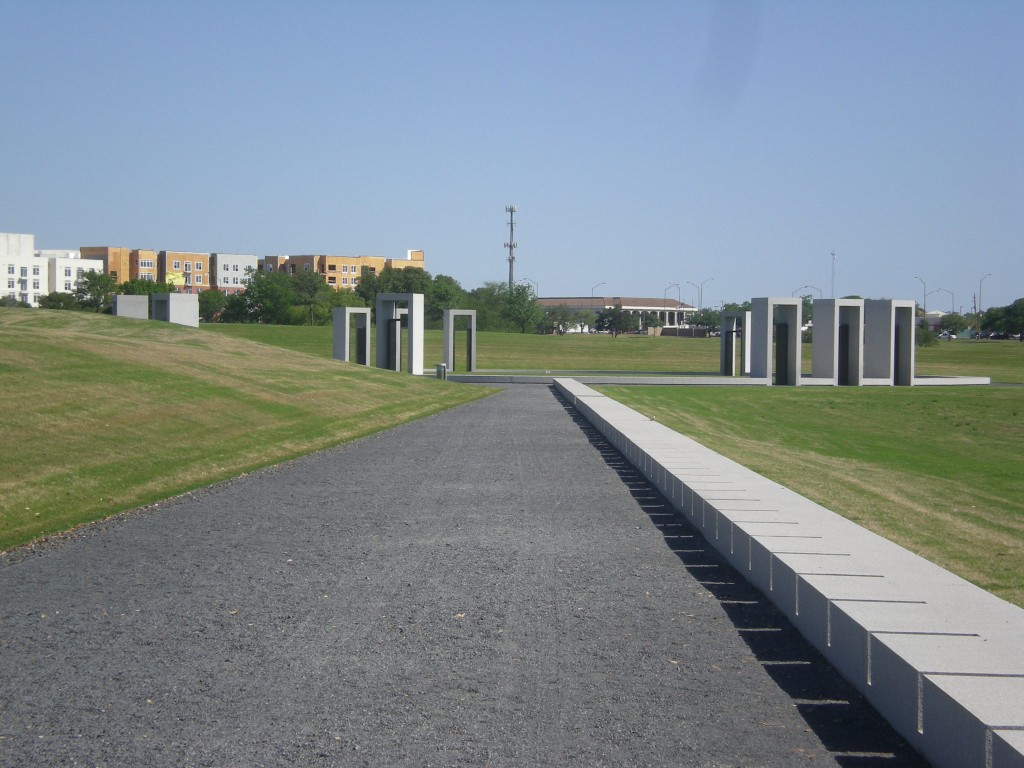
489, 586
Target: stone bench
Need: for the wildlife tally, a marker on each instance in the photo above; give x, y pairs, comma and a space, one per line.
941, 659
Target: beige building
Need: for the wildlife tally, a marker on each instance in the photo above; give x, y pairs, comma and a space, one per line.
188, 272
340, 272
116, 261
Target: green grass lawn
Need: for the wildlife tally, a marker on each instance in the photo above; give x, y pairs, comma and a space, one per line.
935, 469
103, 414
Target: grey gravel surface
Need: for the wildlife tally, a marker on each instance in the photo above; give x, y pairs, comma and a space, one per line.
489, 586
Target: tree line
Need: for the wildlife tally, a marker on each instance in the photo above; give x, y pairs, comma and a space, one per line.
304, 298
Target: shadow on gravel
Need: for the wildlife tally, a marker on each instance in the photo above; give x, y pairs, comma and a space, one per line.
851, 730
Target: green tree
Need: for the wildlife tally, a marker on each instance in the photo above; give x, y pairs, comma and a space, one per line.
652, 320
614, 321
953, 322
211, 303
487, 300
444, 293
560, 318
312, 292
586, 319
520, 308
267, 299
57, 300
11, 303
145, 288
96, 291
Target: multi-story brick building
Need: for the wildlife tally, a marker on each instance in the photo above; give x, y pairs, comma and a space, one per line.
116, 260
340, 272
188, 272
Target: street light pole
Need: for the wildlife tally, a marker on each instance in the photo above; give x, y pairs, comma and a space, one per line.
952, 301
924, 290
594, 289
980, 311
700, 292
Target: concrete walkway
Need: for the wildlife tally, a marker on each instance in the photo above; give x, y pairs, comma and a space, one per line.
489, 586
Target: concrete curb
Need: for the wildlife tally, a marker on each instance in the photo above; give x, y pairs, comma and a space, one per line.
941, 659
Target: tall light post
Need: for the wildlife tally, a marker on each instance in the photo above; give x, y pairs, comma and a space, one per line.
592, 293
664, 294
980, 310
535, 284
511, 244
700, 292
807, 286
952, 301
833, 274
924, 291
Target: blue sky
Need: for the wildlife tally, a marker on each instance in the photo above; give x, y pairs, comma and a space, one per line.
736, 143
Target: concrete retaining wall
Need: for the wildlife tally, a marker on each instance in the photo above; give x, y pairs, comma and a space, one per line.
941, 659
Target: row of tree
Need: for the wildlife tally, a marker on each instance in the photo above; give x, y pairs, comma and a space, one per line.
304, 298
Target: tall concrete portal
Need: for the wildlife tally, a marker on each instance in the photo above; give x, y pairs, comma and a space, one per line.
342, 331
837, 345
389, 333
888, 342
178, 308
735, 329
448, 324
778, 320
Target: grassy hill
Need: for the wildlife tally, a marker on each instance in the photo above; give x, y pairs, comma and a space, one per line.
103, 414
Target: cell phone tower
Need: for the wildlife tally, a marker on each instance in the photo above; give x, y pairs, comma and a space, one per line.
511, 244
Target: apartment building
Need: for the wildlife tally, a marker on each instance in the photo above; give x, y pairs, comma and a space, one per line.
65, 268
23, 274
188, 272
340, 272
116, 260
228, 271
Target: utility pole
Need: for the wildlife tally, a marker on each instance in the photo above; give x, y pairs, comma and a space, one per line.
511, 244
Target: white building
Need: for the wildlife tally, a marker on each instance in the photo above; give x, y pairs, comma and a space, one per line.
65, 268
24, 276
228, 271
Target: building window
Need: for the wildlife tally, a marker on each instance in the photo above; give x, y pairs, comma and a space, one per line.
199, 279
332, 280
176, 265
146, 264
305, 267
188, 266
333, 268
35, 285
148, 276
35, 271
24, 271
234, 267
344, 267
10, 269
10, 283
199, 266
234, 281
67, 285
344, 281
81, 271
67, 271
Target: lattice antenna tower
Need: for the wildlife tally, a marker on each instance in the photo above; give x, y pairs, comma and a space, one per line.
511, 244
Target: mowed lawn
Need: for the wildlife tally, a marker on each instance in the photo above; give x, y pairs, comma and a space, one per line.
102, 414
939, 470
527, 352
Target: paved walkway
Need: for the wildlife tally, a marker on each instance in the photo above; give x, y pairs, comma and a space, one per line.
489, 586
